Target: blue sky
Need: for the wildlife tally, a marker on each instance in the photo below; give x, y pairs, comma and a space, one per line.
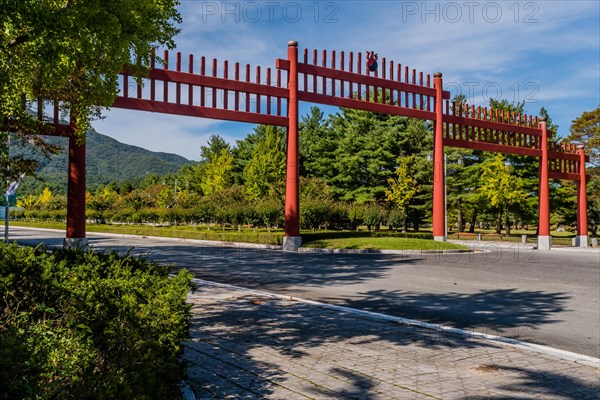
544, 52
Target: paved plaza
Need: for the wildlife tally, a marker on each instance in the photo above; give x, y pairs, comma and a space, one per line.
250, 345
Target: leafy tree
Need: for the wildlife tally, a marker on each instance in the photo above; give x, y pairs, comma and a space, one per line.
503, 104
72, 51
586, 130
193, 175
243, 151
403, 187
366, 147
166, 197
317, 145
314, 189
214, 148
44, 198
217, 172
265, 173
102, 201
552, 127
501, 188
314, 214
27, 202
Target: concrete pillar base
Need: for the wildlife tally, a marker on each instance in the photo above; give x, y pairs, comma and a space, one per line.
440, 238
544, 242
582, 241
291, 243
76, 243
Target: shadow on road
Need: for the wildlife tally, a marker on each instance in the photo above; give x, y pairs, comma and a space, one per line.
509, 312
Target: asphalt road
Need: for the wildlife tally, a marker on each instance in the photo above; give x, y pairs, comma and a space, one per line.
550, 298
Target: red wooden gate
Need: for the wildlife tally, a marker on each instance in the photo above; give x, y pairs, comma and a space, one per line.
271, 96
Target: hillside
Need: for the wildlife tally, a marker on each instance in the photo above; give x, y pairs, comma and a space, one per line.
107, 160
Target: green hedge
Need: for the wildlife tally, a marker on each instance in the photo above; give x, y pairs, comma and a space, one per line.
410, 235
84, 325
364, 234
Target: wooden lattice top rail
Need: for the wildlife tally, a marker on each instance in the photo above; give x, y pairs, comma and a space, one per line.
208, 91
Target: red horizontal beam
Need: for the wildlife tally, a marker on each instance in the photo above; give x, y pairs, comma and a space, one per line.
195, 111
563, 156
500, 126
45, 128
493, 147
365, 105
218, 83
565, 175
353, 77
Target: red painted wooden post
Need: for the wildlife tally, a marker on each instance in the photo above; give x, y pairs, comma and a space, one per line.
544, 239
76, 192
191, 87
178, 85
237, 93
152, 80
439, 211
582, 224
292, 238
166, 83
225, 91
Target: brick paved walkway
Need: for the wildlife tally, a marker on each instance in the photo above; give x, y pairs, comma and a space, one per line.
246, 345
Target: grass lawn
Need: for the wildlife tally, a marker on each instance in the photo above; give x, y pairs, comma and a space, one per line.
379, 243
322, 239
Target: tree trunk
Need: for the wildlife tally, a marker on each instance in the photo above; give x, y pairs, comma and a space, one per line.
499, 222
459, 218
507, 223
473, 221
404, 224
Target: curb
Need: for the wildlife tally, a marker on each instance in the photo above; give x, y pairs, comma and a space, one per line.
265, 246
476, 247
378, 251
171, 239
522, 345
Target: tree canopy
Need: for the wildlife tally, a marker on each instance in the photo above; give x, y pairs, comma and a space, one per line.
73, 50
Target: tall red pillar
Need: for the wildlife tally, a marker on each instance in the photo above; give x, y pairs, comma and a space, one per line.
544, 238
439, 179
292, 239
76, 192
582, 224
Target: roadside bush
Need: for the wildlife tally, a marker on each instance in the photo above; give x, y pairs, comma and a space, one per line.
89, 325
410, 235
271, 213
356, 215
373, 217
395, 219
314, 214
252, 217
124, 215
149, 215
338, 218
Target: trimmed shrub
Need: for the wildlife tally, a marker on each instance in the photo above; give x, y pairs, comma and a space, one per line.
314, 214
373, 217
395, 219
90, 325
271, 213
410, 235
338, 218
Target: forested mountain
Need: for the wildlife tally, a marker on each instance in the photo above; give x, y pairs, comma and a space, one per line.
108, 160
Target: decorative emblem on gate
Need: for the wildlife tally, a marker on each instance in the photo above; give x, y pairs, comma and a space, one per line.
372, 61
